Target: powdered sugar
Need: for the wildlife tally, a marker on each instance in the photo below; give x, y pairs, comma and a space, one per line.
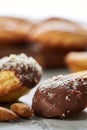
72, 81
26, 68
21, 59
50, 95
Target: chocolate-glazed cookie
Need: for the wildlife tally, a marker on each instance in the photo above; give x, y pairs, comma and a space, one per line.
18, 74
61, 96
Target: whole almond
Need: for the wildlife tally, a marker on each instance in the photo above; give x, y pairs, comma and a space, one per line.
7, 115
22, 110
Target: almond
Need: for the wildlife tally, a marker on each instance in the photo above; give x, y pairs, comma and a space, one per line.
22, 110
7, 115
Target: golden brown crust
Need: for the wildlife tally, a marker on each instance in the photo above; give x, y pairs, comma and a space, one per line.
61, 33
54, 38
76, 61
14, 30
22, 110
10, 87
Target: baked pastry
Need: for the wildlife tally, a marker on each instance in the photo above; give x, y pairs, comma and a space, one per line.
46, 57
14, 49
61, 33
18, 74
13, 35
53, 38
14, 30
76, 61
61, 96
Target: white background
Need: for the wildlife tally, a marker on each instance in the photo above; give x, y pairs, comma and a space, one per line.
38, 9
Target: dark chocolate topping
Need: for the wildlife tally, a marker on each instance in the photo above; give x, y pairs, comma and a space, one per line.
61, 96
26, 68
68, 81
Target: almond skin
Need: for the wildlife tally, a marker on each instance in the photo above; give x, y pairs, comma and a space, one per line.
7, 115
22, 110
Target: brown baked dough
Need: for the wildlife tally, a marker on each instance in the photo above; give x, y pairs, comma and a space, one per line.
18, 74
48, 58
76, 61
61, 96
60, 33
14, 30
53, 38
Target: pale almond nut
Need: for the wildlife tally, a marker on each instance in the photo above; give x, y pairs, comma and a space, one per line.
22, 110
7, 115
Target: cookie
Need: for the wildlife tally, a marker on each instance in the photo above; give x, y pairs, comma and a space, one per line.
53, 38
60, 33
18, 75
48, 58
14, 30
61, 96
76, 61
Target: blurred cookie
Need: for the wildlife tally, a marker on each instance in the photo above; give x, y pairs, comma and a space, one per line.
76, 61
13, 30
53, 38
18, 74
60, 33
46, 57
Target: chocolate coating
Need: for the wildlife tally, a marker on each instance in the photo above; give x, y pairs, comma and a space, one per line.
26, 68
61, 96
